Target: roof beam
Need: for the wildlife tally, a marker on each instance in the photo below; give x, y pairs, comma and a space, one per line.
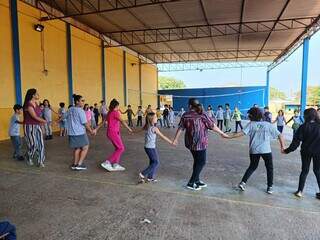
240, 25
274, 25
158, 35
190, 56
207, 21
113, 5
208, 66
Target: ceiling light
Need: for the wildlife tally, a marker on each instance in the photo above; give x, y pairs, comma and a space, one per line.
38, 27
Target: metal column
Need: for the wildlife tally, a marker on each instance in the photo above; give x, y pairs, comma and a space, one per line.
267, 94
304, 79
69, 63
16, 50
103, 71
125, 90
140, 83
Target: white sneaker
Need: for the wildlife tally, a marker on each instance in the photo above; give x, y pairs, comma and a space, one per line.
30, 162
107, 166
118, 167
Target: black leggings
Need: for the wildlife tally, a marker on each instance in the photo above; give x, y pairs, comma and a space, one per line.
306, 161
139, 122
220, 124
254, 162
238, 123
199, 158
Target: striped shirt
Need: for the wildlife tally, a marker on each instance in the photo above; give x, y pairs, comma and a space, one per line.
196, 126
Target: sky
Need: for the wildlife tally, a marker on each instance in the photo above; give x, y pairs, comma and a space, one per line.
286, 77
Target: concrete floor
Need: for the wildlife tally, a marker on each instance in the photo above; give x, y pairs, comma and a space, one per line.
57, 203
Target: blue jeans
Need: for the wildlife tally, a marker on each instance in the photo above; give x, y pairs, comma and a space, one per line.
16, 143
150, 171
9, 229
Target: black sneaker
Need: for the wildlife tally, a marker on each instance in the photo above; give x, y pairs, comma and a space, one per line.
20, 158
74, 166
81, 167
269, 190
193, 187
202, 184
242, 186
318, 195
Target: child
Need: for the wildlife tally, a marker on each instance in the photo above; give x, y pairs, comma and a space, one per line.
129, 113
47, 115
140, 115
171, 117
148, 174
182, 111
297, 121
93, 121
280, 120
113, 133
159, 116
237, 117
14, 132
227, 118
78, 139
166, 116
260, 134
267, 115
87, 112
96, 113
309, 134
219, 117
210, 112
103, 111
62, 119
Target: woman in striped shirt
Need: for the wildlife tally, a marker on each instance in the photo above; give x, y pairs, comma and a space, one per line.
196, 122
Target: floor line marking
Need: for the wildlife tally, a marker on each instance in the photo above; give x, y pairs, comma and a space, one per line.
134, 186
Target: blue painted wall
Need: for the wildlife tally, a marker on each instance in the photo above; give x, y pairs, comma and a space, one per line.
220, 96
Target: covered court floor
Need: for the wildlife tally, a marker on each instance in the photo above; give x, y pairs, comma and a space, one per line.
121, 40
56, 203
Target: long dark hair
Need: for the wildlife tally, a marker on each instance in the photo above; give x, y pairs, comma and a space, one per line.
149, 118
311, 115
46, 100
113, 104
76, 98
29, 95
195, 105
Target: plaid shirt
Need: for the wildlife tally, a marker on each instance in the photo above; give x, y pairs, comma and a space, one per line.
196, 126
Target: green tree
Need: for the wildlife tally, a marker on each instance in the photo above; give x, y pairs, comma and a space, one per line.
313, 95
276, 94
170, 83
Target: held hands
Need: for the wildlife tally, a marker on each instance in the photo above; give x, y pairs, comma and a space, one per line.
282, 150
175, 142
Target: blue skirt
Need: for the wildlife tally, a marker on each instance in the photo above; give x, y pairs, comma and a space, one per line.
79, 141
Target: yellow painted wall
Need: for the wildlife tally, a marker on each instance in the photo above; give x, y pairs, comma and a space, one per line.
149, 85
47, 50
7, 92
114, 75
133, 81
86, 66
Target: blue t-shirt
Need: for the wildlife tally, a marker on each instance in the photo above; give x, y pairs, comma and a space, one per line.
260, 134
219, 114
14, 129
76, 120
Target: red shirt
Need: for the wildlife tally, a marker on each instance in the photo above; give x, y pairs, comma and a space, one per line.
27, 118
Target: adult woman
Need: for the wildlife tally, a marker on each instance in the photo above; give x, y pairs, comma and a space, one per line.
32, 128
196, 123
77, 124
309, 134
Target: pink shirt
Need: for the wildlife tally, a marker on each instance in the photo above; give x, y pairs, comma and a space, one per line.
88, 115
113, 119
